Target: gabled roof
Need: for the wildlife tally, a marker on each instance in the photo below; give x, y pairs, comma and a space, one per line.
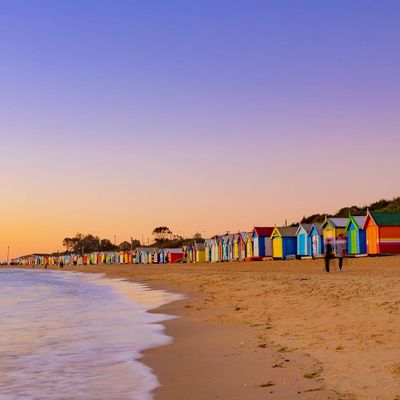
335, 222
287, 231
357, 220
244, 235
263, 230
384, 218
306, 227
317, 226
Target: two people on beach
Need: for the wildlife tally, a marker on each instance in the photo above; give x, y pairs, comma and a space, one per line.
340, 252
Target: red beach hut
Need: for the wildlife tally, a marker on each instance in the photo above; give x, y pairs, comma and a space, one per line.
383, 232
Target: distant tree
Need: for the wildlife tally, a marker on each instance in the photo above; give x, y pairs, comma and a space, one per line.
197, 235
125, 246
161, 233
135, 243
71, 244
107, 245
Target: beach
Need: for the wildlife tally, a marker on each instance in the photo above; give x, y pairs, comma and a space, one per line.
276, 329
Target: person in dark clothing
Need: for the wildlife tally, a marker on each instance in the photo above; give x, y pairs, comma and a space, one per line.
328, 254
61, 264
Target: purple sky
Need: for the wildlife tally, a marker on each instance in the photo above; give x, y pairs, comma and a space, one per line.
116, 117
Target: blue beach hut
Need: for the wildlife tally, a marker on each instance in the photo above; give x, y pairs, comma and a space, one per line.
316, 240
284, 242
303, 244
356, 236
261, 241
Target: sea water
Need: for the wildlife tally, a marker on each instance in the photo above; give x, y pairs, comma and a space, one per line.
66, 335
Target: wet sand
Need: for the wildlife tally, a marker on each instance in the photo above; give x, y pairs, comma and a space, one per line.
277, 330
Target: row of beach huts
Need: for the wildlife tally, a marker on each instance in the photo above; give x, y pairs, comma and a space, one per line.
374, 234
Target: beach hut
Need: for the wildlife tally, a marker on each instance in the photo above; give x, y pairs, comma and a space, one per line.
215, 249
382, 232
200, 252
332, 228
303, 243
249, 246
235, 246
316, 240
175, 255
260, 237
243, 245
356, 236
207, 250
284, 242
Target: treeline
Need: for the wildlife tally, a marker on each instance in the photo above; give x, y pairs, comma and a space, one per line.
381, 205
89, 243
162, 238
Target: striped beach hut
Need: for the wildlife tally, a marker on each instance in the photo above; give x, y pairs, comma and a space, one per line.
303, 242
284, 242
382, 232
356, 236
243, 245
316, 240
260, 237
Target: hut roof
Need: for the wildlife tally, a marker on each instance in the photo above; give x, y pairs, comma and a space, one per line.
386, 218
288, 230
306, 227
244, 235
358, 220
263, 230
318, 227
337, 222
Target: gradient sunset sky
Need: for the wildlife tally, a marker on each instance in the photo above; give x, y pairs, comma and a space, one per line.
209, 116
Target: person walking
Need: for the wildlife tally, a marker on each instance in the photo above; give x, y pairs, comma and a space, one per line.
328, 254
340, 250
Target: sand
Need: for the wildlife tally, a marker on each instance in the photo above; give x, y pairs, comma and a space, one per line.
277, 329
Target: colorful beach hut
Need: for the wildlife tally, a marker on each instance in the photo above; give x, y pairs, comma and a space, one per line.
303, 242
199, 252
316, 240
260, 237
382, 232
242, 245
236, 245
356, 236
332, 228
207, 250
284, 242
175, 255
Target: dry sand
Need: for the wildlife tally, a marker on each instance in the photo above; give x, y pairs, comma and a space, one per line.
277, 330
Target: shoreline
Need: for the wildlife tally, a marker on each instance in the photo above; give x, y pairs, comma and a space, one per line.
273, 330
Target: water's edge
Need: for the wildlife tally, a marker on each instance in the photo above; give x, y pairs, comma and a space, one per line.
124, 336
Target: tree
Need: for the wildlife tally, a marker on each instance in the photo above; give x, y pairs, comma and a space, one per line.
125, 246
161, 233
106, 245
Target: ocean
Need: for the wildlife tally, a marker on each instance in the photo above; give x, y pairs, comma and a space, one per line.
66, 335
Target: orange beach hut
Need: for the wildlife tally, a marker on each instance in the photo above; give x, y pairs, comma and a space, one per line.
383, 232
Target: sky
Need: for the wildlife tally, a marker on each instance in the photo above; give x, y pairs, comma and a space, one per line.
204, 116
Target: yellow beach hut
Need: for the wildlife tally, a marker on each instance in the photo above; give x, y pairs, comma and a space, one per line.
284, 242
332, 228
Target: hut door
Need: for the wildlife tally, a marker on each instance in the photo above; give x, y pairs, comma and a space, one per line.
372, 238
353, 242
277, 247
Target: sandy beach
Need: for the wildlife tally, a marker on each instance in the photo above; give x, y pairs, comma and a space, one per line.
277, 330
